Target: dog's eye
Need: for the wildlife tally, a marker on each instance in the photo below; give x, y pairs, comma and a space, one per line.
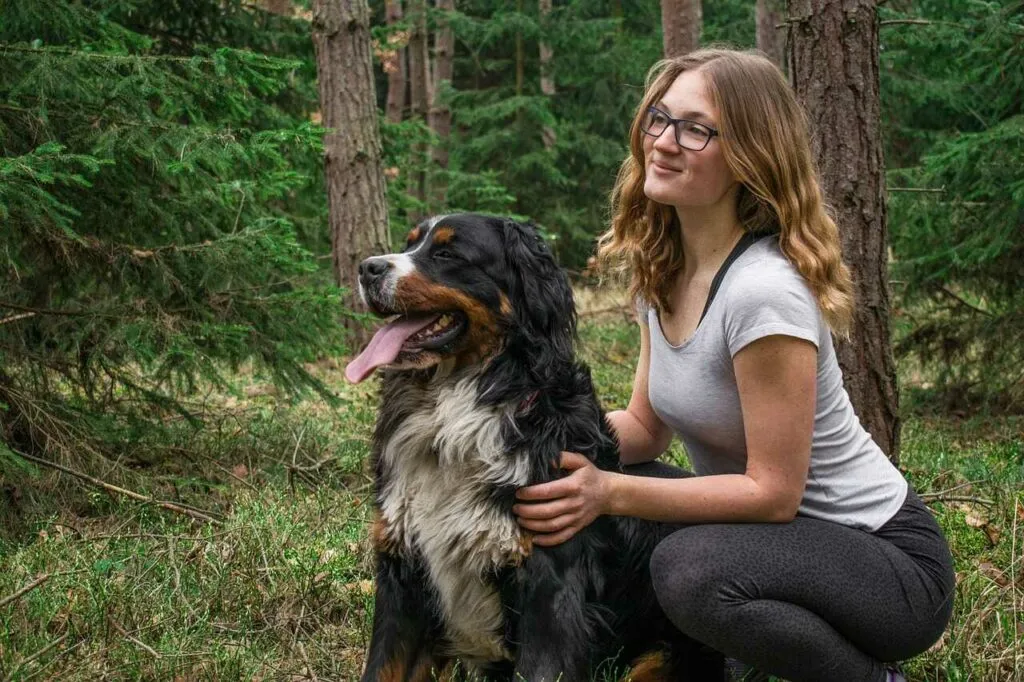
445, 254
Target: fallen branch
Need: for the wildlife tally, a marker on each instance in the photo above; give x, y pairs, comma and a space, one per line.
134, 640
42, 652
25, 590
15, 318
958, 498
931, 190
963, 302
201, 515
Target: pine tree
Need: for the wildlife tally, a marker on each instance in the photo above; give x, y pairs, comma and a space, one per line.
953, 76
160, 190
833, 62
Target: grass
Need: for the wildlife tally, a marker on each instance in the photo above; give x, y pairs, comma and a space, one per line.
281, 589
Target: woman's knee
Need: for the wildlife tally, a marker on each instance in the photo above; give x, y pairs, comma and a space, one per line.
689, 575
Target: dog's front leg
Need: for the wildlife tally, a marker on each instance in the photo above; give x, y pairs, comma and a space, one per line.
553, 631
403, 647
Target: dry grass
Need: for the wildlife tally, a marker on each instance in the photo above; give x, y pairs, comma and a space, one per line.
282, 588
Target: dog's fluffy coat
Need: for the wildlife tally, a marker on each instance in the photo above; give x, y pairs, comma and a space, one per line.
475, 405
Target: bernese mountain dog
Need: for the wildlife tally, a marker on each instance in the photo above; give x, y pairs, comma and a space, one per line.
481, 391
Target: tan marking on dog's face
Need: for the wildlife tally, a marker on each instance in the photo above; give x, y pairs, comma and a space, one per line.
415, 292
413, 236
443, 235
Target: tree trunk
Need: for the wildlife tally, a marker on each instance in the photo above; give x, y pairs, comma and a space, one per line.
833, 57
440, 114
680, 26
547, 83
419, 96
769, 38
394, 65
282, 7
352, 154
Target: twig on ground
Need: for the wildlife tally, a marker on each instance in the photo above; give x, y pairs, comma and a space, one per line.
961, 301
25, 590
15, 318
182, 508
134, 640
958, 498
305, 659
946, 491
42, 652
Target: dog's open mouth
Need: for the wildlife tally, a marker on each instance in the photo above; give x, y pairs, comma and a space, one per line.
406, 341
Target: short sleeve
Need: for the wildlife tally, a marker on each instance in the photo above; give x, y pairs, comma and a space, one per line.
769, 302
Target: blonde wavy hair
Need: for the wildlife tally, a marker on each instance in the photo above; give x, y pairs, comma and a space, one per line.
766, 144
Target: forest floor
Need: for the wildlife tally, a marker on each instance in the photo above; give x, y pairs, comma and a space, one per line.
279, 585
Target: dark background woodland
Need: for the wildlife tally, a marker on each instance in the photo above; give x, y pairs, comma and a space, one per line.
169, 253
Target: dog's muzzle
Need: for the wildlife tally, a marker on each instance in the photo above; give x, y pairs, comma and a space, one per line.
373, 270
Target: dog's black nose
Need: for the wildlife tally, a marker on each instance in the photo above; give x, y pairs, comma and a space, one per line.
372, 269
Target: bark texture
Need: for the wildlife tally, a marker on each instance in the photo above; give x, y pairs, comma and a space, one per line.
833, 57
352, 152
770, 39
282, 7
547, 83
680, 26
419, 96
394, 63
440, 114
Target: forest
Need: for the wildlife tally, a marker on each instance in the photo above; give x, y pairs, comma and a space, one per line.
184, 485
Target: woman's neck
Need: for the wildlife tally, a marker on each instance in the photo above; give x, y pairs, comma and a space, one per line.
707, 238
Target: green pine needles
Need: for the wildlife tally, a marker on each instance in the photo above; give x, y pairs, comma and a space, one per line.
161, 197
953, 88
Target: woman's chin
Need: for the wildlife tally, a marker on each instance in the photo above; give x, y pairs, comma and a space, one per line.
658, 193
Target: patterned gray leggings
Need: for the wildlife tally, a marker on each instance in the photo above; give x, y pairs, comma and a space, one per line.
809, 600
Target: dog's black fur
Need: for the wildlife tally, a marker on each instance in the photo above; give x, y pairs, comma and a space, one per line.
565, 610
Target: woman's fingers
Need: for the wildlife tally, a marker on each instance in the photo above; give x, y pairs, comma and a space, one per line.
552, 490
553, 525
552, 539
546, 510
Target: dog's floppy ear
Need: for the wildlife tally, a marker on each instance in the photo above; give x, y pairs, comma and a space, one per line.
541, 297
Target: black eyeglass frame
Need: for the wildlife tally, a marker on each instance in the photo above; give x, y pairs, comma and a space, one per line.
675, 127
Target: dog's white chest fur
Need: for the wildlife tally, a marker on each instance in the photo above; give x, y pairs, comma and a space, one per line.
443, 460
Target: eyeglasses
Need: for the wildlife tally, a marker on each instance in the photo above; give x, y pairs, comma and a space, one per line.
689, 134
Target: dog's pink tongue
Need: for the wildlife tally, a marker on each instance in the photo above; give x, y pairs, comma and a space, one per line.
385, 346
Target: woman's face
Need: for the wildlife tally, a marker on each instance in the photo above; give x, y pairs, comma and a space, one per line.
679, 177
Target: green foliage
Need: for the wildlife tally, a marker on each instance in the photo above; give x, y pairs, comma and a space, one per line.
160, 191
284, 584
551, 159
952, 90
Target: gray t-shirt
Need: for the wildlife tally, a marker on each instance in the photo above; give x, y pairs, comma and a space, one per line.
693, 390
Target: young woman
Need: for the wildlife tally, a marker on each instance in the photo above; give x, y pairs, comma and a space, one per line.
804, 554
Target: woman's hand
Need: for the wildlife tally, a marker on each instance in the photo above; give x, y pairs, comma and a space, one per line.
559, 509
